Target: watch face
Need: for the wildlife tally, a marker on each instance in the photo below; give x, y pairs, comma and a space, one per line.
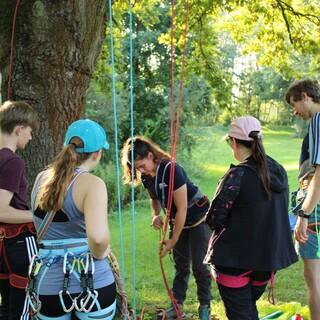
302, 214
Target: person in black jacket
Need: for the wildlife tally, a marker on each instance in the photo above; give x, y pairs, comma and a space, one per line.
249, 216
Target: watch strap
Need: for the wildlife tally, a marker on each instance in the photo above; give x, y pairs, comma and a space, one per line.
302, 214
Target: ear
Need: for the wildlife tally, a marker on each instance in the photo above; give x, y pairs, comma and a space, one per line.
96, 155
304, 96
17, 129
150, 156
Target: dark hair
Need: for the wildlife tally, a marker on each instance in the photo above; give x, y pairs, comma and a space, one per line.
260, 158
308, 86
59, 175
141, 148
15, 113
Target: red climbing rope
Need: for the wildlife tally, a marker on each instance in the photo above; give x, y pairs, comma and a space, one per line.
174, 136
13, 30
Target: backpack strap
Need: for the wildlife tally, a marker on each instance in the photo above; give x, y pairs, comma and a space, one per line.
162, 185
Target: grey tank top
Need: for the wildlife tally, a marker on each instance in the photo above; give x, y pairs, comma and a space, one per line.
74, 228
51, 282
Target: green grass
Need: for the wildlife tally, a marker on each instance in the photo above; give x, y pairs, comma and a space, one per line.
210, 158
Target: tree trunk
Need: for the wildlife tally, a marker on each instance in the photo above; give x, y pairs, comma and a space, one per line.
56, 45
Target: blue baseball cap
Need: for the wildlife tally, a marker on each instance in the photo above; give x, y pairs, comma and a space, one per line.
93, 136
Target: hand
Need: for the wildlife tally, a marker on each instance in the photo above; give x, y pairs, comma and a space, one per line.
166, 246
300, 230
157, 222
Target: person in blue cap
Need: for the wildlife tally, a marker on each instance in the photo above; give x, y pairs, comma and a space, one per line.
71, 277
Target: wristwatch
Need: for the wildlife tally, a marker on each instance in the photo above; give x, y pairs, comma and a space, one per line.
302, 214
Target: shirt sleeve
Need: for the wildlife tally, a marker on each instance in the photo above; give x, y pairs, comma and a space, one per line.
314, 139
222, 203
11, 174
180, 177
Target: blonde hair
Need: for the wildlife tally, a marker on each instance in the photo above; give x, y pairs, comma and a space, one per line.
59, 175
141, 148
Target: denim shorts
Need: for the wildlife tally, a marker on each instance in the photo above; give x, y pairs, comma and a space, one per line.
309, 250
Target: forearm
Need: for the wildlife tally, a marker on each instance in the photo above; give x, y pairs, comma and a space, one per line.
9, 214
313, 196
155, 207
179, 222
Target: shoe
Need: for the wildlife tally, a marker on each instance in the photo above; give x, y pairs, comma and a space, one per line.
171, 313
204, 312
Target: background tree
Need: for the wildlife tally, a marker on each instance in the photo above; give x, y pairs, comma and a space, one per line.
56, 45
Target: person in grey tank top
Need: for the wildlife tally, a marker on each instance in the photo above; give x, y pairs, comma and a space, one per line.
71, 277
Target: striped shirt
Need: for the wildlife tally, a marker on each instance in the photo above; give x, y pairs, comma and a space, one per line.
314, 139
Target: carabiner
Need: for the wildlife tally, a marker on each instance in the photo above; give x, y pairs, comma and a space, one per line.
94, 297
66, 262
35, 265
61, 296
89, 256
34, 302
86, 297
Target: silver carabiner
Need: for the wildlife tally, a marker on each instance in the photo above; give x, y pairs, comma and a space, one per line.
65, 309
85, 300
94, 297
81, 302
89, 256
65, 262
34, 302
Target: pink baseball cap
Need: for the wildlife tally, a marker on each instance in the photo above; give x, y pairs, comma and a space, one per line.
241, 128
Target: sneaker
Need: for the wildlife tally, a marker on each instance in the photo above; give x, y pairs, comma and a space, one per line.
171, 313
204, 312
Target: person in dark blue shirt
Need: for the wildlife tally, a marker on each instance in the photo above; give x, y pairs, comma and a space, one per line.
189, 233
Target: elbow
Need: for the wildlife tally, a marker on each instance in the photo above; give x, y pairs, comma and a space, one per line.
98, 246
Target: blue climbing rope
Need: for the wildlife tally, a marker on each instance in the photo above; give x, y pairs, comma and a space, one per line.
114, 102
132, 171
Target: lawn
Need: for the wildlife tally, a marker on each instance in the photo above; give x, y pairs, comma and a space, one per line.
210, 158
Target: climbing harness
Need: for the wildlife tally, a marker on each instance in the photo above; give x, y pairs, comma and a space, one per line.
76, 260
34, 268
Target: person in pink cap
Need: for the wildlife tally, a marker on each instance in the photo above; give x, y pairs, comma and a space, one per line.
249, 217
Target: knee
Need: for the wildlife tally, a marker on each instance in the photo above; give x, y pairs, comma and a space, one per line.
312, 281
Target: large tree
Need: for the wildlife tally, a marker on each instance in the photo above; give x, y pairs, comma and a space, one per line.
56, 45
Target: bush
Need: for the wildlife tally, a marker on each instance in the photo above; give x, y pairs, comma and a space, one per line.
108, 173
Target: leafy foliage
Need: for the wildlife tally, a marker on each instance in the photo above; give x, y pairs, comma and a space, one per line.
241, 57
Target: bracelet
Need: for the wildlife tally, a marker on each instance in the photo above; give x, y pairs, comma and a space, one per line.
302, 214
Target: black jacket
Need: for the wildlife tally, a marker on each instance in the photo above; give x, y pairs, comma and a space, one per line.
257, 233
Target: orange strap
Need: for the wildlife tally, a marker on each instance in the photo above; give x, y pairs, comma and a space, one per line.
13, 230
17, 281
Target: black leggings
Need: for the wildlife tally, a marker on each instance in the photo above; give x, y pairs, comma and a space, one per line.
14, 261
240, 303
51, 305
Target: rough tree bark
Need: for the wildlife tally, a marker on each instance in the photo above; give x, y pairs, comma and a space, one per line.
56, 48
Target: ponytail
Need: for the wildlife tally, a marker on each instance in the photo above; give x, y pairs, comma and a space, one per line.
59, 175
260, 158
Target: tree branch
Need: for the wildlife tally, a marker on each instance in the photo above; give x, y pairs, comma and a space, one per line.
280, 4
311, 17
